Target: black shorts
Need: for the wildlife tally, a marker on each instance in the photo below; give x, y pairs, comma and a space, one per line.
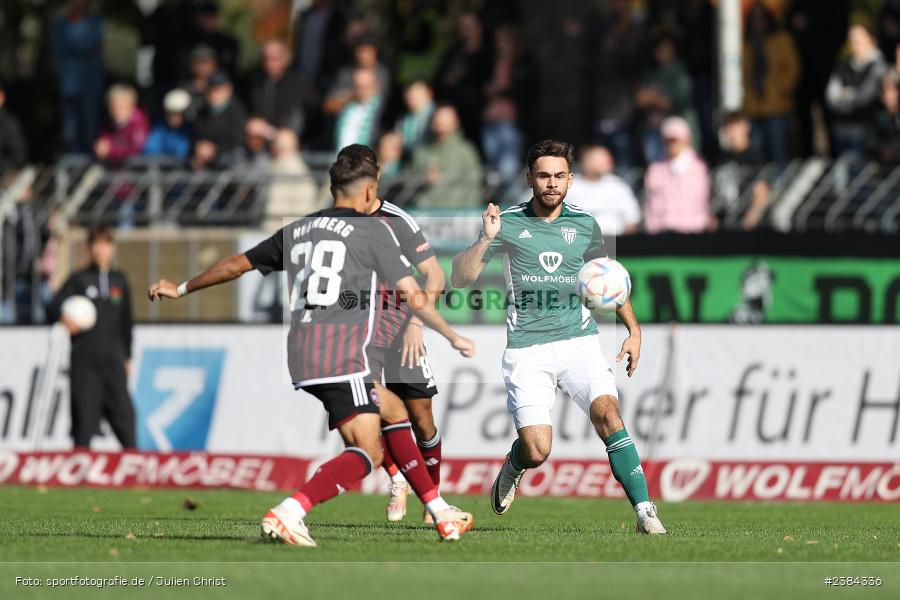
344, 399
408, 384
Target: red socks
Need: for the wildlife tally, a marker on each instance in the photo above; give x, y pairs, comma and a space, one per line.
388, 462
401, 445
420, 465
334, 477
431, 452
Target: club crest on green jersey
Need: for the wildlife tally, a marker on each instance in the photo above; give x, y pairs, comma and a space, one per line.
568, 234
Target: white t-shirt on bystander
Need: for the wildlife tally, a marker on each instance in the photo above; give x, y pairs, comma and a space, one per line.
609, 199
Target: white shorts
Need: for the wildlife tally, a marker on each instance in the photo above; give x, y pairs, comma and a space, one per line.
533, 374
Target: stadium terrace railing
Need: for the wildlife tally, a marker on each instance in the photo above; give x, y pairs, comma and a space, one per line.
814, 194
150, 194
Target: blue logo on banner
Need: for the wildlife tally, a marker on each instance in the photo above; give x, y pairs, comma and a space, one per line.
175, 397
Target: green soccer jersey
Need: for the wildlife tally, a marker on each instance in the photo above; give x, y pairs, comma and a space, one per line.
541, 264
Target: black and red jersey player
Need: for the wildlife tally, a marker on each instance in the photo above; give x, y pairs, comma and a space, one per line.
334, 259
400, 363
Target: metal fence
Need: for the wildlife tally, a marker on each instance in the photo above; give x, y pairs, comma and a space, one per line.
813, 194
158, 196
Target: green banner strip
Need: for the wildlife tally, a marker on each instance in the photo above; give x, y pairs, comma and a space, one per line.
743, 289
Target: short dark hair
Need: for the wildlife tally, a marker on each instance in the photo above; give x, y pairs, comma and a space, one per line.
551, 148
364, 39
734, 116
100, 232
354, 162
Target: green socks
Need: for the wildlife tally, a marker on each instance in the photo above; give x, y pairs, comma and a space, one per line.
626, 466
514, 459
623, 458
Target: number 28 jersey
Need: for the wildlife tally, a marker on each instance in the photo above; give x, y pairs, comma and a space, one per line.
335, 259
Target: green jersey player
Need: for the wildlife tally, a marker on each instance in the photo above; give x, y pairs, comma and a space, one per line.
552, 341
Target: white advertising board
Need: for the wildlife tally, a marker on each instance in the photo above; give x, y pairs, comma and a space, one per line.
734, 393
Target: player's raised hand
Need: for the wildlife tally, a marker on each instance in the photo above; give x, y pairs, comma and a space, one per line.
413, 346
162, 289
631, 347
465, 346
490, 221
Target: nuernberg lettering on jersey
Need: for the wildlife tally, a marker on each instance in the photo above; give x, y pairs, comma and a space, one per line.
339, 226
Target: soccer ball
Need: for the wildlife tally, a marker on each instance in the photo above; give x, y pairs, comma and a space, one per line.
603, 285
80, 311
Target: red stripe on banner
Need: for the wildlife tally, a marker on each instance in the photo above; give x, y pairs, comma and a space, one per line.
693, 479
151, 469
673, 481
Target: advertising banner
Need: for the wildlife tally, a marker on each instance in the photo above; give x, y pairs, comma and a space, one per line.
673, 481
741, 412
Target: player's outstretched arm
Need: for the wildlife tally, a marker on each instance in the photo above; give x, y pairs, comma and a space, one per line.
467, 265
227, 269
632, 344
413, 346
422, 304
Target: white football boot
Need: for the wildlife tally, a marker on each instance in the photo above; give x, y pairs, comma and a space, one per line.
503, 492
279, 525
451, 523
396, 507
648, 521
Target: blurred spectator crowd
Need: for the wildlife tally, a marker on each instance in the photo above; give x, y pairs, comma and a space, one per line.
451, 94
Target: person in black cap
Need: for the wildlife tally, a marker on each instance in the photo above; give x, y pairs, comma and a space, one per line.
100, 359
219, 132
203, 64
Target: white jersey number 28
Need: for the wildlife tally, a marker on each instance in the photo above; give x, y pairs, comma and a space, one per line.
315, 271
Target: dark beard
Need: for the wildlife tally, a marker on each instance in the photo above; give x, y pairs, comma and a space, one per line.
554, 201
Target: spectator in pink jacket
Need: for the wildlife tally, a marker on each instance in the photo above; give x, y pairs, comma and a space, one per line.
125, 133
676, 190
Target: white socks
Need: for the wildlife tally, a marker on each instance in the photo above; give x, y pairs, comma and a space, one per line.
293, 506
641, 506
436, 506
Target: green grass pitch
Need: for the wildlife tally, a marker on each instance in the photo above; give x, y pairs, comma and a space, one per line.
557, 548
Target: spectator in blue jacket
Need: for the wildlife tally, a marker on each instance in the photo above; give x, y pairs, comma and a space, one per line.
171, 138
76, 41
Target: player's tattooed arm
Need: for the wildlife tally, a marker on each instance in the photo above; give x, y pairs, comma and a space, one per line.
631, 347
223, 271
467, 265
